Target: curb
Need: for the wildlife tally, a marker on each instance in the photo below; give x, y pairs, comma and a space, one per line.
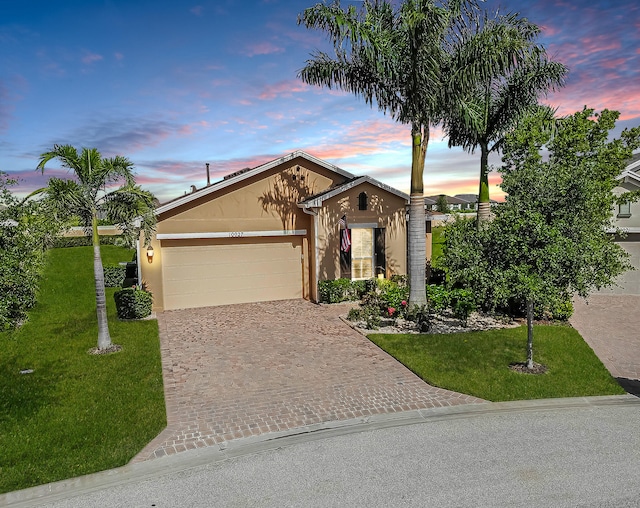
132, 472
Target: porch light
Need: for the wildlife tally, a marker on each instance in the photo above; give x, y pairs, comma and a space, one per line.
150, 254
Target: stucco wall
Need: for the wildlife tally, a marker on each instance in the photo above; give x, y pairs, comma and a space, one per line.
385, 210
628, 222
265, 202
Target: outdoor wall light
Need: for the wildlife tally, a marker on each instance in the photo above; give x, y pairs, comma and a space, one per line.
150, 254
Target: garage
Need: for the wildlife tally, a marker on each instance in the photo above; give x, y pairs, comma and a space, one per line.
201, 273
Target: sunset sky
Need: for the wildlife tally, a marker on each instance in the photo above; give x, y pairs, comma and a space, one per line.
174, 84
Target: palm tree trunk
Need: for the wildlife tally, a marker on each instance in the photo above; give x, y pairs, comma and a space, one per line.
416, 240
104, 338
530, 334
484, 204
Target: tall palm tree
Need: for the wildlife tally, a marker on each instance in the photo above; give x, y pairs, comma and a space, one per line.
91, 194
506, 72
393, 57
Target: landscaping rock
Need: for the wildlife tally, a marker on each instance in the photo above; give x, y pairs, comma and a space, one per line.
441, 323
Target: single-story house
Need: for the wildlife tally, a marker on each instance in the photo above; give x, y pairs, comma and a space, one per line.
453, 202
271, 232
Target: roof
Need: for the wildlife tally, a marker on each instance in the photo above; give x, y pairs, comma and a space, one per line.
631, 173
470, 198
244, 174
450, 199
316, 200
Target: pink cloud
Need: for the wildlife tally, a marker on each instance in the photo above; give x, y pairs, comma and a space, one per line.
262, 48
119, 56
89, 58
283, 89
613, 64
549, 30
197, 10
589, 45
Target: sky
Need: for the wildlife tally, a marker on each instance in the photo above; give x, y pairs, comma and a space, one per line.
173, 85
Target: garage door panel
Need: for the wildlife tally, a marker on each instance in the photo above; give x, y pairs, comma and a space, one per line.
220, 274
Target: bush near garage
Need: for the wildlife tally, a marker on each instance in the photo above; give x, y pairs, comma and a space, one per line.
133, 303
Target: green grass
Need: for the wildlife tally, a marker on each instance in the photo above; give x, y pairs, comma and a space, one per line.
477, 363
437, 243
76, 413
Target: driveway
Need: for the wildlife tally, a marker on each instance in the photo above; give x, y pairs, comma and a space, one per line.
244, 370
610, 324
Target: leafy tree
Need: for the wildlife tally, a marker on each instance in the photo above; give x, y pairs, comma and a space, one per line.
395, 57
94, 192
549, 239
25, 229
442, 205
506, 72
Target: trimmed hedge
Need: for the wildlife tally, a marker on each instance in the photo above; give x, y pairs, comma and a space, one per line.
133, 303
114, 275
85, 241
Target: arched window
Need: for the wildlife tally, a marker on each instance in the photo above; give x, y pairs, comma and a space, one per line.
362, 201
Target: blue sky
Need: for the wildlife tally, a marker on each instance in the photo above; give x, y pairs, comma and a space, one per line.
175, 84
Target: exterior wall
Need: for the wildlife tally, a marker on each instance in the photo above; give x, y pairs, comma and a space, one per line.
265, 202
627, 222
385, 210
102, 231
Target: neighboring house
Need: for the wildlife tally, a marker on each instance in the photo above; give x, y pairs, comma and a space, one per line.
471, 201
627, 218
453, 202
271, 232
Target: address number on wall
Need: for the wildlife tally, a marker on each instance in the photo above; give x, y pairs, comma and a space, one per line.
236, 234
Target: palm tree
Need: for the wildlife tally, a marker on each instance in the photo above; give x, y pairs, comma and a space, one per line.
395, 58
89, 195
505, 74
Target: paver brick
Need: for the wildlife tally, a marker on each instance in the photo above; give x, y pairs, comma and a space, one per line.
240, 370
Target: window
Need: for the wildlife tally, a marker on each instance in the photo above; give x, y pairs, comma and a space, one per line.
361, 253
362, 201
624, 210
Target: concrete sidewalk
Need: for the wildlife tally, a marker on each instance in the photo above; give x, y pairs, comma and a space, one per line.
556, 452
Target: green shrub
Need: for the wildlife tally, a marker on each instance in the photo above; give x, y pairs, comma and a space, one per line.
462, 303
561, 310
439, 297
133, 303
340, 290
114, 276
393, 294
84, 241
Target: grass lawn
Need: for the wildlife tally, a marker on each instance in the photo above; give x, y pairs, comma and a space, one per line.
76, 413
437, 242
477, 363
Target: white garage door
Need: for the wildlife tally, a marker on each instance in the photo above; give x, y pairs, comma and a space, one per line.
222, 272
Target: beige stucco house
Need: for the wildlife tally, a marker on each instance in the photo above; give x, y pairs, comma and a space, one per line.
271, 232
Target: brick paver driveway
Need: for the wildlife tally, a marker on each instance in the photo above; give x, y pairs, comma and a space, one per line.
244, 370
610, 324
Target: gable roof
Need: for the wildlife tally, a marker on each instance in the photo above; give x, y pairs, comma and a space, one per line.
450, 199
631, 173
244, 174
316, 200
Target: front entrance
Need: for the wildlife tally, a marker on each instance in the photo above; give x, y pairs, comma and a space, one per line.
364, 257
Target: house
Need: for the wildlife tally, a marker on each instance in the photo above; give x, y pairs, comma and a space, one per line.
271, 232
627, 218
453, 202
